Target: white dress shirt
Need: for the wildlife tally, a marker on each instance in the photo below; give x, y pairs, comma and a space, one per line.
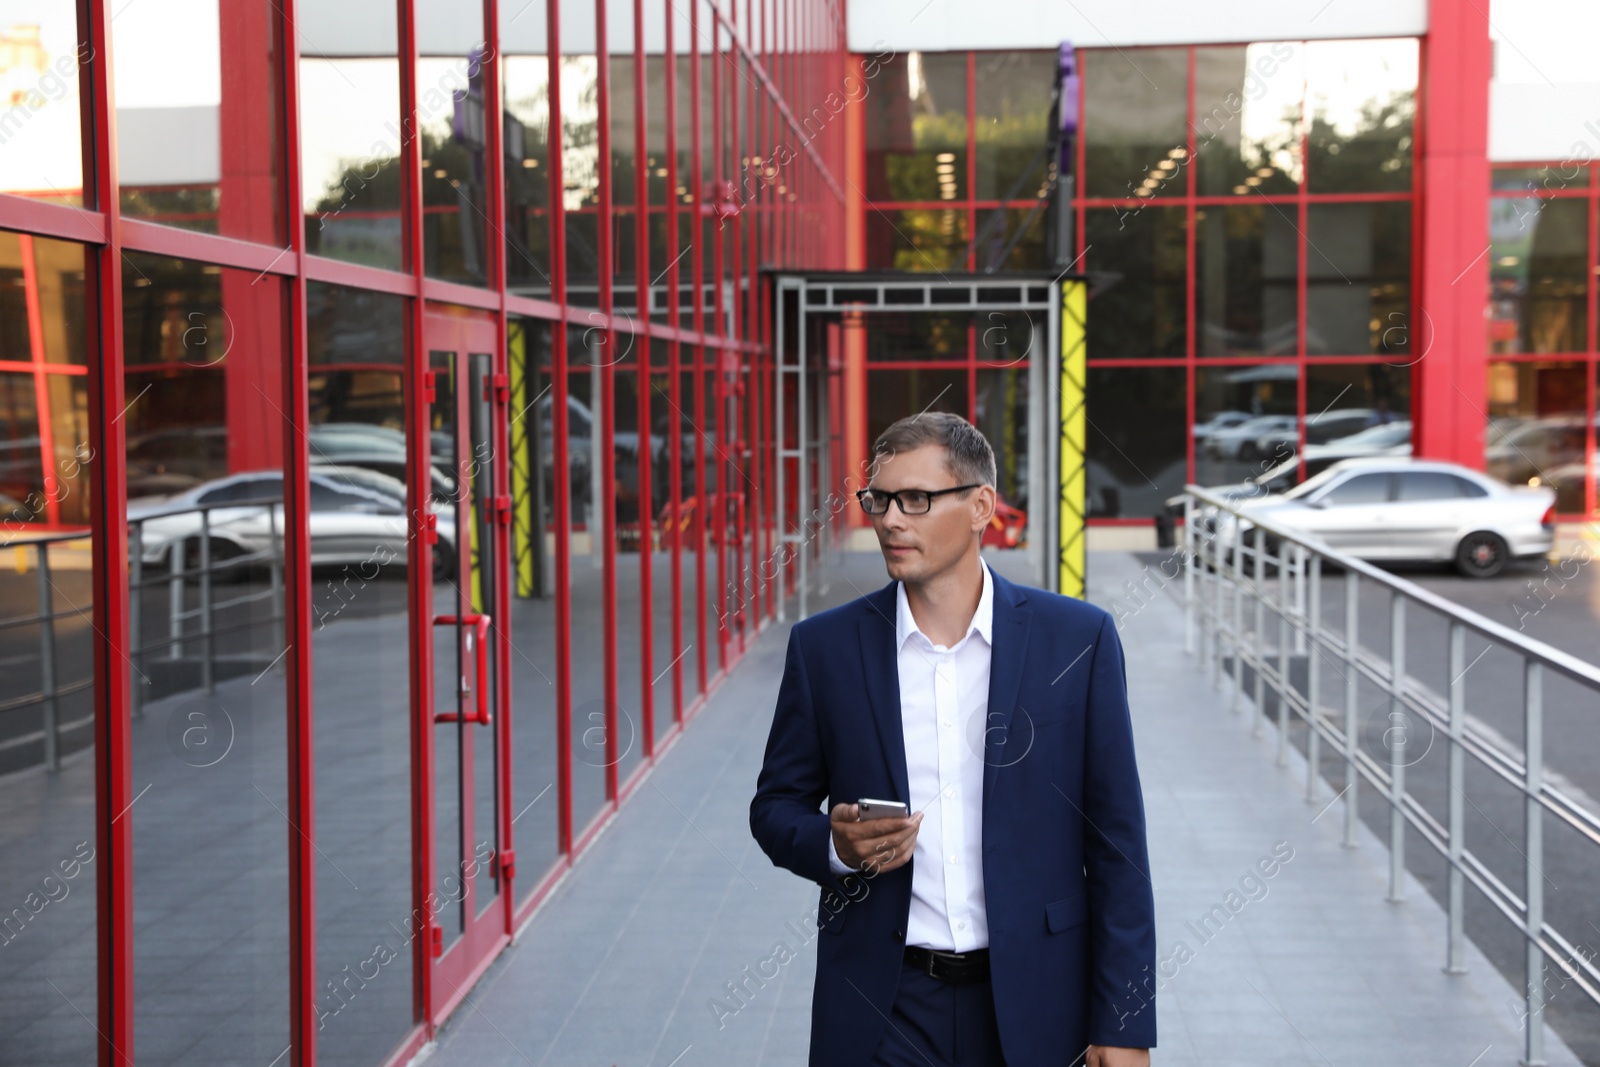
944, 701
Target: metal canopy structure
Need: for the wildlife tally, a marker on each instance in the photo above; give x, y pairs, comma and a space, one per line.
807, 439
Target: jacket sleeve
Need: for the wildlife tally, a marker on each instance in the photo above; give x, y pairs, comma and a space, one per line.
1122, 938
785, 815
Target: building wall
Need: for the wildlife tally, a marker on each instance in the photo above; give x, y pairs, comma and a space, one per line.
386, 480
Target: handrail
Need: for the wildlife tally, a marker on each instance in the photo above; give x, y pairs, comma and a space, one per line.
1217, 616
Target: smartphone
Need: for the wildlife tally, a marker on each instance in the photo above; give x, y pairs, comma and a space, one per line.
882, 809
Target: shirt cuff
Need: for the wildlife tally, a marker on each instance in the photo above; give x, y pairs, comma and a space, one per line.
836, 864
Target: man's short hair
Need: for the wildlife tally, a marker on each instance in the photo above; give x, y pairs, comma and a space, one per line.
967, 455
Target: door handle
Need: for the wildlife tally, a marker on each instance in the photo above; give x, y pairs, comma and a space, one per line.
480, 644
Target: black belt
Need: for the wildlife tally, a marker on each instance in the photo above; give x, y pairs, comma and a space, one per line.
957, 967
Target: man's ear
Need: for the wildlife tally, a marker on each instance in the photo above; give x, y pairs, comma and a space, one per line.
983, 507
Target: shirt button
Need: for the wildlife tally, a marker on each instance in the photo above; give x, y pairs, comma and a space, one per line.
961, 926
953, 858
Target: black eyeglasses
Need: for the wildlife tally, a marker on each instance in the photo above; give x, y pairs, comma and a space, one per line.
911, 501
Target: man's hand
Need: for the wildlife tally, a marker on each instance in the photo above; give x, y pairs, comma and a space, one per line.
1106, 1056
875, 845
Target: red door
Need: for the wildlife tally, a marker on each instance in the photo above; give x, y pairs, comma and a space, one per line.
464, 709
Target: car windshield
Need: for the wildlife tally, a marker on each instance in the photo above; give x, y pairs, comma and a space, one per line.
1388, 433
1312, 484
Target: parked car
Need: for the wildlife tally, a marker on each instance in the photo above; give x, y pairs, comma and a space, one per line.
1319, 429
1382, 508
1534, 447
1239, 442
1222, 420
357, 516
1389, 439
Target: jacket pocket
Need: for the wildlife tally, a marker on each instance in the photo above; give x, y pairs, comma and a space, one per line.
1067, 912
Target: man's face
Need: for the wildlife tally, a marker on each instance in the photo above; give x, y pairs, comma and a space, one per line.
919, 547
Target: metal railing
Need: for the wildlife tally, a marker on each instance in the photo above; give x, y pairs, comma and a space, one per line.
186, 631
1229, 612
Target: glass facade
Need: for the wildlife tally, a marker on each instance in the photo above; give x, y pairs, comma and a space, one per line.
1244, 214
1543, 362
360, 565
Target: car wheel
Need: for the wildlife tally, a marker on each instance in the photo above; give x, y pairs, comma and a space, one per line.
1482, 554
444, 561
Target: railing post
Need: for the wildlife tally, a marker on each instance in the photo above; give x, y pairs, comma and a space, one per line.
1313, 675
1456, 956
1300, 595
1397, 749
1352, 774
207, 674
1533, 834
1237, 634
1284, 684
1258, 554
1190, 608
275, 565
175, 561
47, 660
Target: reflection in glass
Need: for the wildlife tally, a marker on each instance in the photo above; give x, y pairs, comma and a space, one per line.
668, 431
194, 149
586, 623
350, 140
1135, 257
1245, 422
1011, 107
580, 173
624, 161
897, 394
1358, 278
894, 337
525, 74
1135, 107
1356, 409
1016, 241
1538, 276
450, 118
916, 127
47, 770
1361, 102
532, 666
43, 463
629, 456
361, 665
917, 239
1536, 426
211, 918
1245, 267
1135, 453
1001, 412
1248, 103
41, 127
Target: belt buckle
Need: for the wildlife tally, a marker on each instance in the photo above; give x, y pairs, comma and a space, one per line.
939, 956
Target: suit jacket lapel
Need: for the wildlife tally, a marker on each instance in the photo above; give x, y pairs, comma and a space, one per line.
881, 667
1005, 741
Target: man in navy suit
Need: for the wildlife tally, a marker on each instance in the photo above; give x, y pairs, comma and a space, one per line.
1008, 919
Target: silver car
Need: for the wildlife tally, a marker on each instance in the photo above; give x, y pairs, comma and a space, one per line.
1385, 508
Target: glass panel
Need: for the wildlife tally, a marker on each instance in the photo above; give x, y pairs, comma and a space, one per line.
450, 116
917, 336
1245, 269
1538, 281
917, 239
1247, 126
586, 625
689, 523
1538, 179
1356, 410
916, 128
1536, 416
719, 603
350, 140
196, 150
42, 124
896, 394
1135, 451
668, 432
624, 219
1245, 422
209, 682
48, 932
1015, 242
1361, 97
1135, 103
1001, 412
481, 596
532, 611
1136, 257
580, 156
1011, 109
1362, 489
362, 665
452, 664
525, 70
1358, 279
629, 455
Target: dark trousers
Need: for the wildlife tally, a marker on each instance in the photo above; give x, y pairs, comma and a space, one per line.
940, 1023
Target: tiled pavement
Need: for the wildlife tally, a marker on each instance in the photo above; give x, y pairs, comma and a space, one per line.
621, 963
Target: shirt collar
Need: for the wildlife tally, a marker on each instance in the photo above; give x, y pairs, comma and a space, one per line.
982, 619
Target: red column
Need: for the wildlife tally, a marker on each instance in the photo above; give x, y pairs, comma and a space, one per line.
1449, 343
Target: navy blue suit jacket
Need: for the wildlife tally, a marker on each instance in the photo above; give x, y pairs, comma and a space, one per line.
1070, 905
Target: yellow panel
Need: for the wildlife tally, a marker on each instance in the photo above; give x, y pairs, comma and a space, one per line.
1073, 439
522, 524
